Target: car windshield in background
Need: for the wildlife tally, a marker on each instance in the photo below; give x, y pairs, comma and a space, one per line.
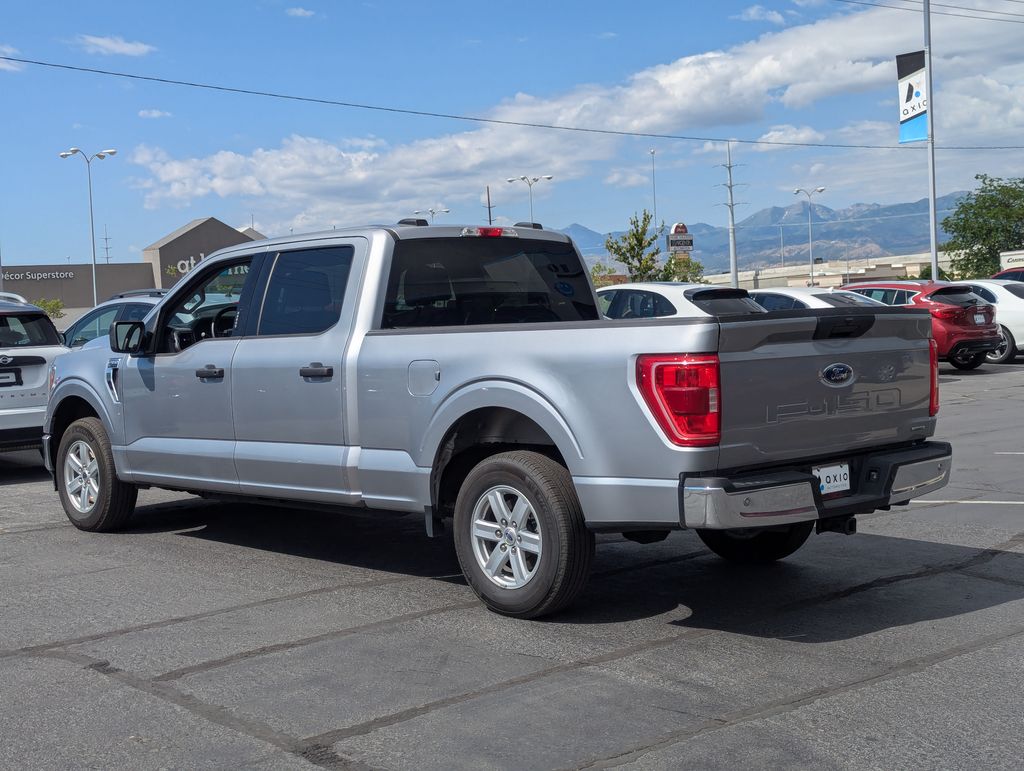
468, 281
26, 329
956, 295
846, 299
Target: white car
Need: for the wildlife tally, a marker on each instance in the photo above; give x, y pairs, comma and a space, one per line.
28, 345
658, 299
1008, 299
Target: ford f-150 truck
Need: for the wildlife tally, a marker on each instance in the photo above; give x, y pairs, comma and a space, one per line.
466, 373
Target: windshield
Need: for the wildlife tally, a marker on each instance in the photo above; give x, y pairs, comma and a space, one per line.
26, 329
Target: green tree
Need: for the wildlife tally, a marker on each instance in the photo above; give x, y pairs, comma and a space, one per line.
683, 268
926, 274
601, 274
53, 308
634, 249
987, 221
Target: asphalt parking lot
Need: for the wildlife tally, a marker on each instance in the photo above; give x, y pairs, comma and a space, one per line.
223, 636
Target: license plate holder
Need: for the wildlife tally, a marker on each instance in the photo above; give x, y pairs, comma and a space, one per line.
10, 377
979, 318
833, 478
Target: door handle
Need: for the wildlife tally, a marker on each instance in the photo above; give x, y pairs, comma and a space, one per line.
316, 369
210, 372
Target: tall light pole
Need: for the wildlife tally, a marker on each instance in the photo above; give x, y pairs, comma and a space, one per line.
92, 228
432, 212
930, 117
810, 237
530, 182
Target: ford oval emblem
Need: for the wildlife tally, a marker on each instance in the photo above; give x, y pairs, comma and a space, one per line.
837, 375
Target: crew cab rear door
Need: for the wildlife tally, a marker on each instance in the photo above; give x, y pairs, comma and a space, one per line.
821, 383
288, 383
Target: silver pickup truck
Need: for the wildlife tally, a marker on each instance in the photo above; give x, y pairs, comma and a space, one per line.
467, 373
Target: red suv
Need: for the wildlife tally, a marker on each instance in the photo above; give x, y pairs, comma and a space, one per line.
963, 324
1011, 274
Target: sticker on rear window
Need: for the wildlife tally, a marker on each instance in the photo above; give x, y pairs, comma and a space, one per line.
563, 288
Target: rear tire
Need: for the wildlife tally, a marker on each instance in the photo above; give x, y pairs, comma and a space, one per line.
520, 535
93, 497
965, 361
1007, 352
756, 548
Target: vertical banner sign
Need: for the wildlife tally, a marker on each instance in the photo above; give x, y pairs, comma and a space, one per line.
913, 97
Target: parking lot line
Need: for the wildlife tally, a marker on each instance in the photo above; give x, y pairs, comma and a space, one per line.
987, 503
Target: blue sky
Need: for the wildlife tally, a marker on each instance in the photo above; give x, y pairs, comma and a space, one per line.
815, 70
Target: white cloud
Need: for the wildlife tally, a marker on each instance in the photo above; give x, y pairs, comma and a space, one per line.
113, 45
627, 178
608, 35
315, 181
760, 13
154, 114
300, 13
9, 66
788, 133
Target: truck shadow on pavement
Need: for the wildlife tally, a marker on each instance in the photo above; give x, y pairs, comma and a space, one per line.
20, 467
835, 588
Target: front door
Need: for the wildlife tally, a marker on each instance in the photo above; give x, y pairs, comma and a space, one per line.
288, 385
177, 400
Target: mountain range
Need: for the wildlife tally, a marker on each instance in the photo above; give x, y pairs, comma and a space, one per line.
860, 231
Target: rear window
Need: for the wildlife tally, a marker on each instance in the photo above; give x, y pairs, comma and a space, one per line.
956, 295
846, 299
27, 329
1017, 290
466, 281
724, 302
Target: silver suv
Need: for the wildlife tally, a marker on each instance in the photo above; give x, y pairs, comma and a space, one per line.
133, 305
28, 345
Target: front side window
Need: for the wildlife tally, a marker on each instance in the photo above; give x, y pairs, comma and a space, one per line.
135, 312
1017, 290
474, 280
207, 308
306, 291
887, 296
25, 329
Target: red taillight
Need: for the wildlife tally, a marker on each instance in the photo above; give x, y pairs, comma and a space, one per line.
683, 393
946, 312
933, 355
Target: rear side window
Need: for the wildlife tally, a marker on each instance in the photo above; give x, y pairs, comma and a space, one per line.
956, 295
27, 329
846, 299
639, 304
985, 294
305, 291
465, 281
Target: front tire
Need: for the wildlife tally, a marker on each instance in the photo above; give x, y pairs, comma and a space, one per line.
520, 535
93, 497
1006, 352
967, 361
756, 548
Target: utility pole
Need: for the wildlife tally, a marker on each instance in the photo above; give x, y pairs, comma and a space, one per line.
489, 207
731, 206
106, 244
930, 117
654, 192
782, 247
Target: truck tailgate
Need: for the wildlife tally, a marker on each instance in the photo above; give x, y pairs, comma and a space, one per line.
816, 384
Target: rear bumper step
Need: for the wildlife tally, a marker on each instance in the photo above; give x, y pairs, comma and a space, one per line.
766, 499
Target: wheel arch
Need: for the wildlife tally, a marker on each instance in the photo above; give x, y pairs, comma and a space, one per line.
71, 403
487, 421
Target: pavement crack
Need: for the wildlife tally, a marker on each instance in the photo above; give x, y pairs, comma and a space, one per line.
795, 701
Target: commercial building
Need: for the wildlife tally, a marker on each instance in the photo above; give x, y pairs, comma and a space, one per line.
164, 263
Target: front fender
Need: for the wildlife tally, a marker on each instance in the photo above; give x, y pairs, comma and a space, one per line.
76, 387
507, 394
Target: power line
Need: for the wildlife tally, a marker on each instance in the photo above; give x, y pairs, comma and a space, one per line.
490, 121
963, 8
934, 13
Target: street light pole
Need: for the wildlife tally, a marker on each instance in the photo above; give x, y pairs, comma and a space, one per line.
432, 212
530, 182
654, 192
92, 227
810, 236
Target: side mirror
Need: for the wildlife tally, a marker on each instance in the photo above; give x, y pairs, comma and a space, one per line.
127, 336
63, 339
